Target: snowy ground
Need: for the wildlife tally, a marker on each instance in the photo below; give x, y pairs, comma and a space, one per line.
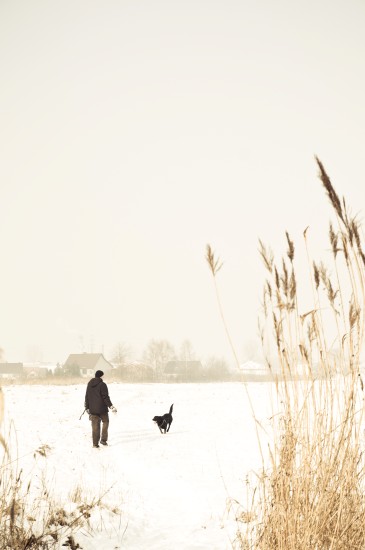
162, 491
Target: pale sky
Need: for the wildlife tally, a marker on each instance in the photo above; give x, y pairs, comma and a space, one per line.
134, 132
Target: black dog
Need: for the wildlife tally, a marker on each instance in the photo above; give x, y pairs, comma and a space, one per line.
164, 422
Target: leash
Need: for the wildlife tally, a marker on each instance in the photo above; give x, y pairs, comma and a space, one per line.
82, 414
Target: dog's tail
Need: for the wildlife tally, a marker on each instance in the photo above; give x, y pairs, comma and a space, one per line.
170, 411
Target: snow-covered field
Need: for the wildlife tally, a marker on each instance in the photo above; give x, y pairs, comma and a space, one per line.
161, 492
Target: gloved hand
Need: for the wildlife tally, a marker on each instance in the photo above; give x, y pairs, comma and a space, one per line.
113, 409
87, 411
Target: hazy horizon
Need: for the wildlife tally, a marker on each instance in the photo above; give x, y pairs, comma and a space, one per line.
134, 133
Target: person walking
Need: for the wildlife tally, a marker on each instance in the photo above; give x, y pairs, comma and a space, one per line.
97, 403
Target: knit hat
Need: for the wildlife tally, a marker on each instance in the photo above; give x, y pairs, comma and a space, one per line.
99, 374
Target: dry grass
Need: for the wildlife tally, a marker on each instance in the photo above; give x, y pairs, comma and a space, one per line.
30, 518
311, 492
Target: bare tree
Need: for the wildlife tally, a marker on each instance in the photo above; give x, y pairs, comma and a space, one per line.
187, 352
158, 353
121, 353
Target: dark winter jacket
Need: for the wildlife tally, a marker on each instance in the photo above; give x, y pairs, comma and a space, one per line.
97, 398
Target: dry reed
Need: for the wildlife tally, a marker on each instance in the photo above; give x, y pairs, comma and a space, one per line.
30, 519
311, 492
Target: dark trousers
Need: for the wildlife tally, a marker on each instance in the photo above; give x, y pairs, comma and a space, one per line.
96, 419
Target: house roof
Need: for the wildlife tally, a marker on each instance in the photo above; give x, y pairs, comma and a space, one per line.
254, 368
84, 360
177, 367
11, 368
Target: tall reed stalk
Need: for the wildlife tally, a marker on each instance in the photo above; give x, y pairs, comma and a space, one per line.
311, 494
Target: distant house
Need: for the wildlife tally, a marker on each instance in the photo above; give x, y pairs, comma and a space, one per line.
255, 371
11, 370
87, 363
183, 369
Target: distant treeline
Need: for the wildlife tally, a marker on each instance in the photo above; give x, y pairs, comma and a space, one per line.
137, 377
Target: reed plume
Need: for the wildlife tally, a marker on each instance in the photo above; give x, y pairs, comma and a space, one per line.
311, 494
